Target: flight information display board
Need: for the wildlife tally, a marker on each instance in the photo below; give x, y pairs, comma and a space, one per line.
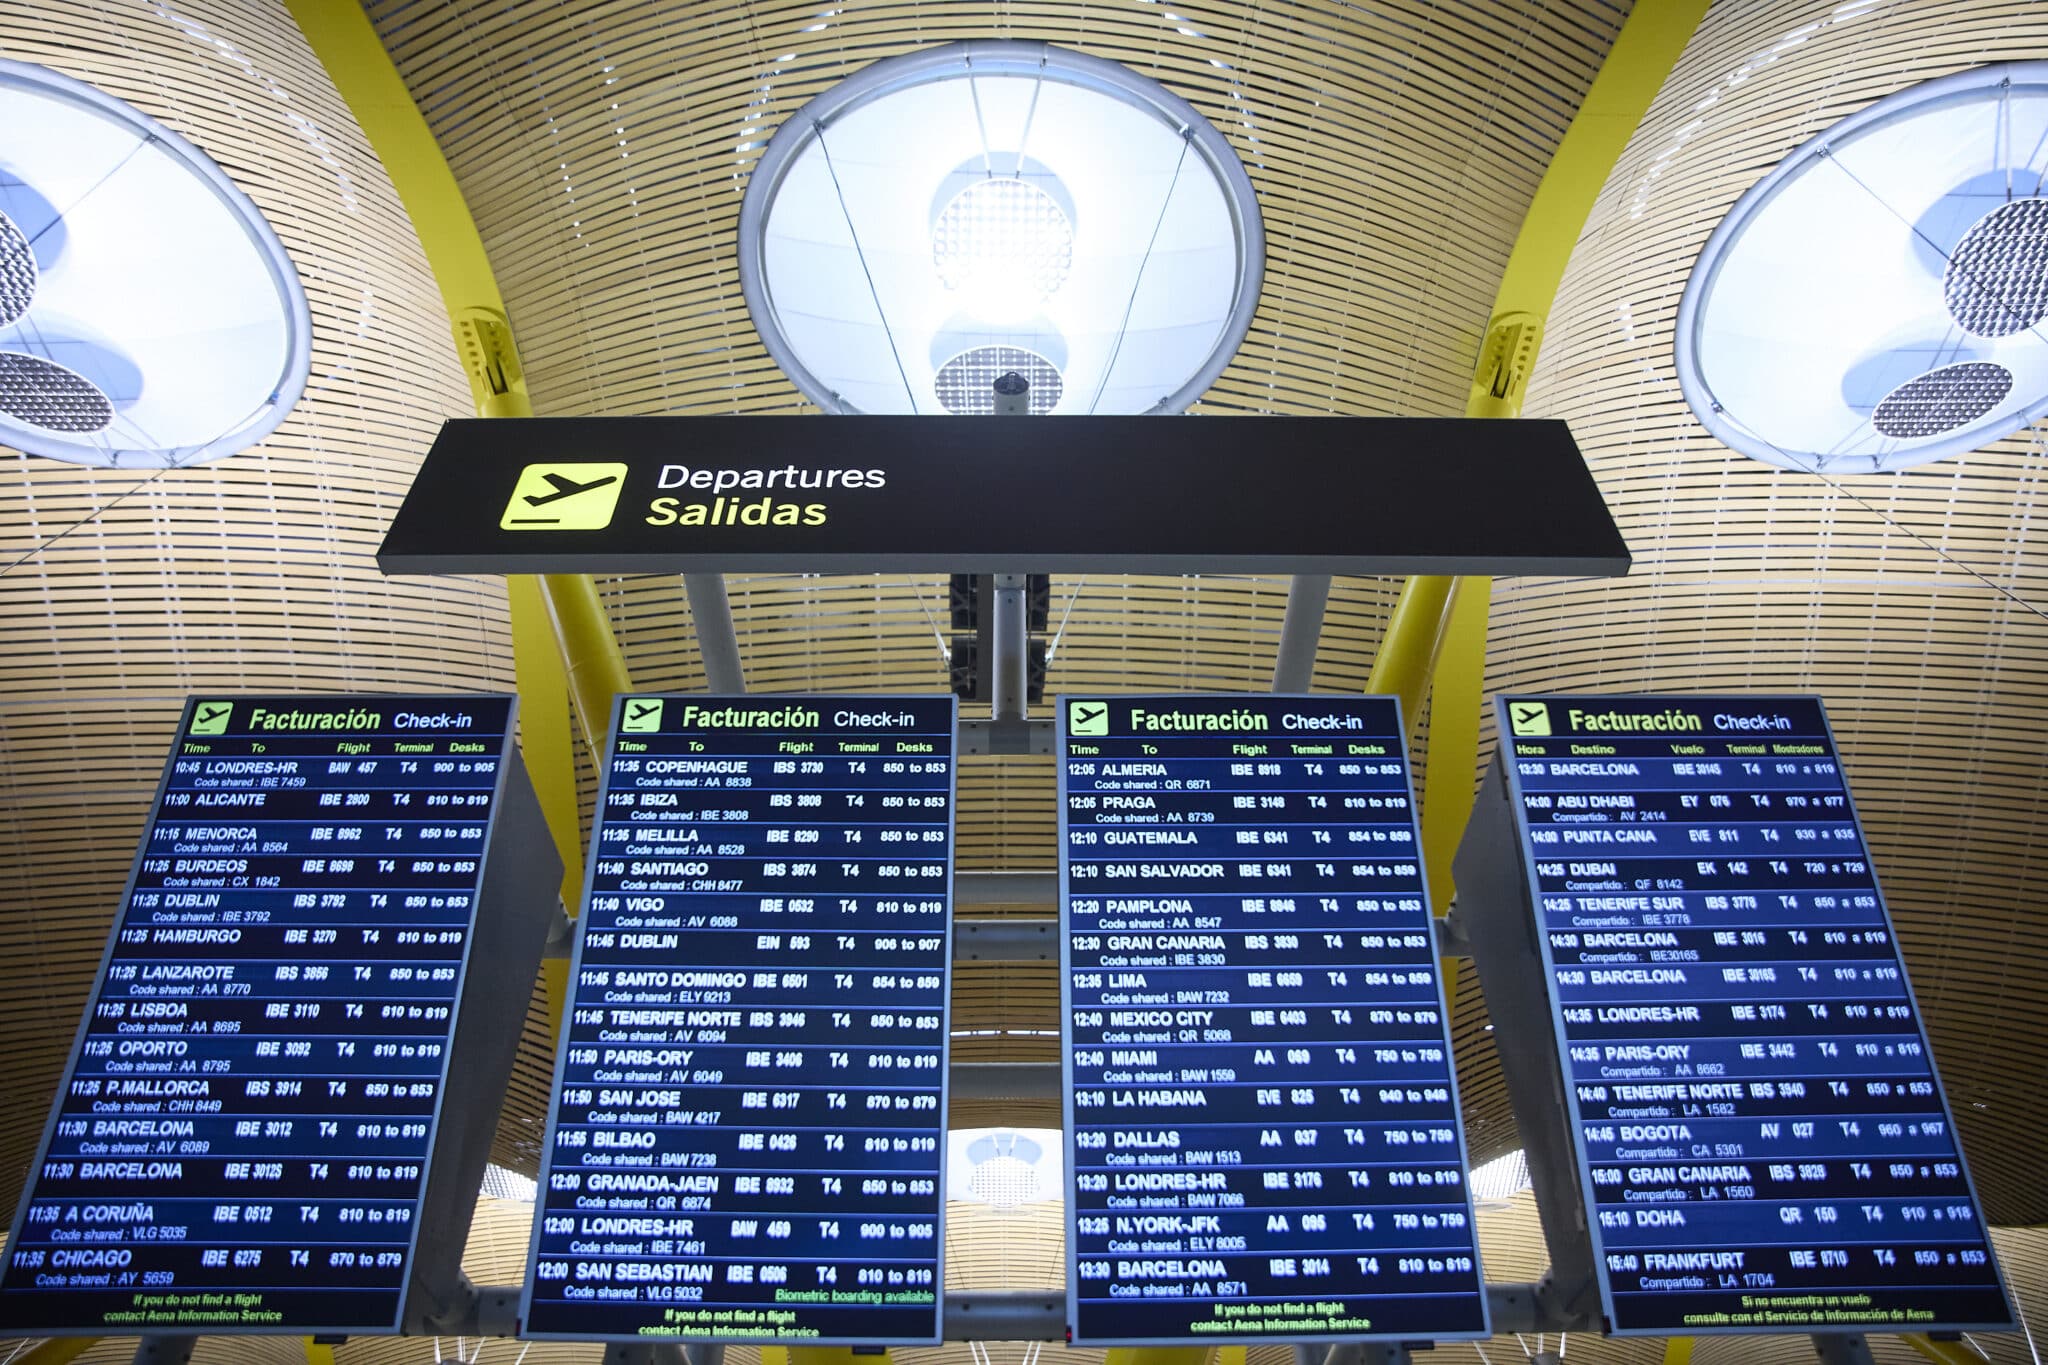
1261, 1112
243, 1134
750, 1101
1762, 1139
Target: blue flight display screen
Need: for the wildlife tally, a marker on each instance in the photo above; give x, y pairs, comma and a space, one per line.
750, 1101
1763, 1142
1262, 1116
242, 1136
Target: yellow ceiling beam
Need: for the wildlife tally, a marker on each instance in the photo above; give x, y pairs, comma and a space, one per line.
1678, 1350
1431, 638
1942, 1352
57, 1351
563, 648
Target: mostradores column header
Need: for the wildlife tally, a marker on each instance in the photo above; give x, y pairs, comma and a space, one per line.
967, 495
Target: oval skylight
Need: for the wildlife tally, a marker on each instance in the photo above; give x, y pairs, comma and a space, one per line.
1878, 300
1000, 196
148, 315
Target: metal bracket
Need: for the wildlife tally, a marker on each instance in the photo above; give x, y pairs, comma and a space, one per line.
483, 341
1041, 889
1842, 1348
1017, 736
1006, 940
1009, 660
1498, 926
156, 1350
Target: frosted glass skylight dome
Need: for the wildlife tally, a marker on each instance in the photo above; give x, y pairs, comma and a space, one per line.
992, 199
1880, 299
148, 315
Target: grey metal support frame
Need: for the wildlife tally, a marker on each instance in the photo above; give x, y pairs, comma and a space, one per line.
717, 641
1301, 631
1009, 664
1492, 917
1842, 1348
165, 1350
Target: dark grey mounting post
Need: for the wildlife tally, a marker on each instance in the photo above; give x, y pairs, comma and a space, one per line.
1494, 916
1301, 631
516, 903
165, 1350
1012, 395
1842, 1348
717, 642
1010, 668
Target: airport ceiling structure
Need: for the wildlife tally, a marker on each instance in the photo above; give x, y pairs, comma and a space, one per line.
603, 148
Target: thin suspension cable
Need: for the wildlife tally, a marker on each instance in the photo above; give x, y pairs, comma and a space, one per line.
838, 193
1935, 246
2020, 1310
2004, 134
1030, 114
1124, 326
42, 545
1061, 633
988, 161
945, 651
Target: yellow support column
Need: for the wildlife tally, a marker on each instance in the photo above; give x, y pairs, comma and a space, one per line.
1945, 1352
1159, 1355
57, 1351
1636, 68
318, 1353
822, 1355
562, 642
1678, 1350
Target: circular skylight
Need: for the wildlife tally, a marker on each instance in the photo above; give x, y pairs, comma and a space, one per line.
148, 315
1878, 300
1000, 196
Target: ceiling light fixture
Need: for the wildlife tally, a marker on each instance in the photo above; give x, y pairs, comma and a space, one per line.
1000, 196
1880, 299
148, 314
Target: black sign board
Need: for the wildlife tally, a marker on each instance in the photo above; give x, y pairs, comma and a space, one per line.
1262, 1116
750, 1098
249, 1123
1762, 1140
980, 495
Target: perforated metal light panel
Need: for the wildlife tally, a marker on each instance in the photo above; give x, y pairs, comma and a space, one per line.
17, 272
1003, 226
966, 383
1996, 282
42, 393
1942, 400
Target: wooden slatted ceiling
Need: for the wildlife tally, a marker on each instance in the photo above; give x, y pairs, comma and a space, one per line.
1393, 148
1911, 602
1392, 156
122, 592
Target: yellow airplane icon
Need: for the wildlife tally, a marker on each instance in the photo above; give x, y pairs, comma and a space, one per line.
564, 497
